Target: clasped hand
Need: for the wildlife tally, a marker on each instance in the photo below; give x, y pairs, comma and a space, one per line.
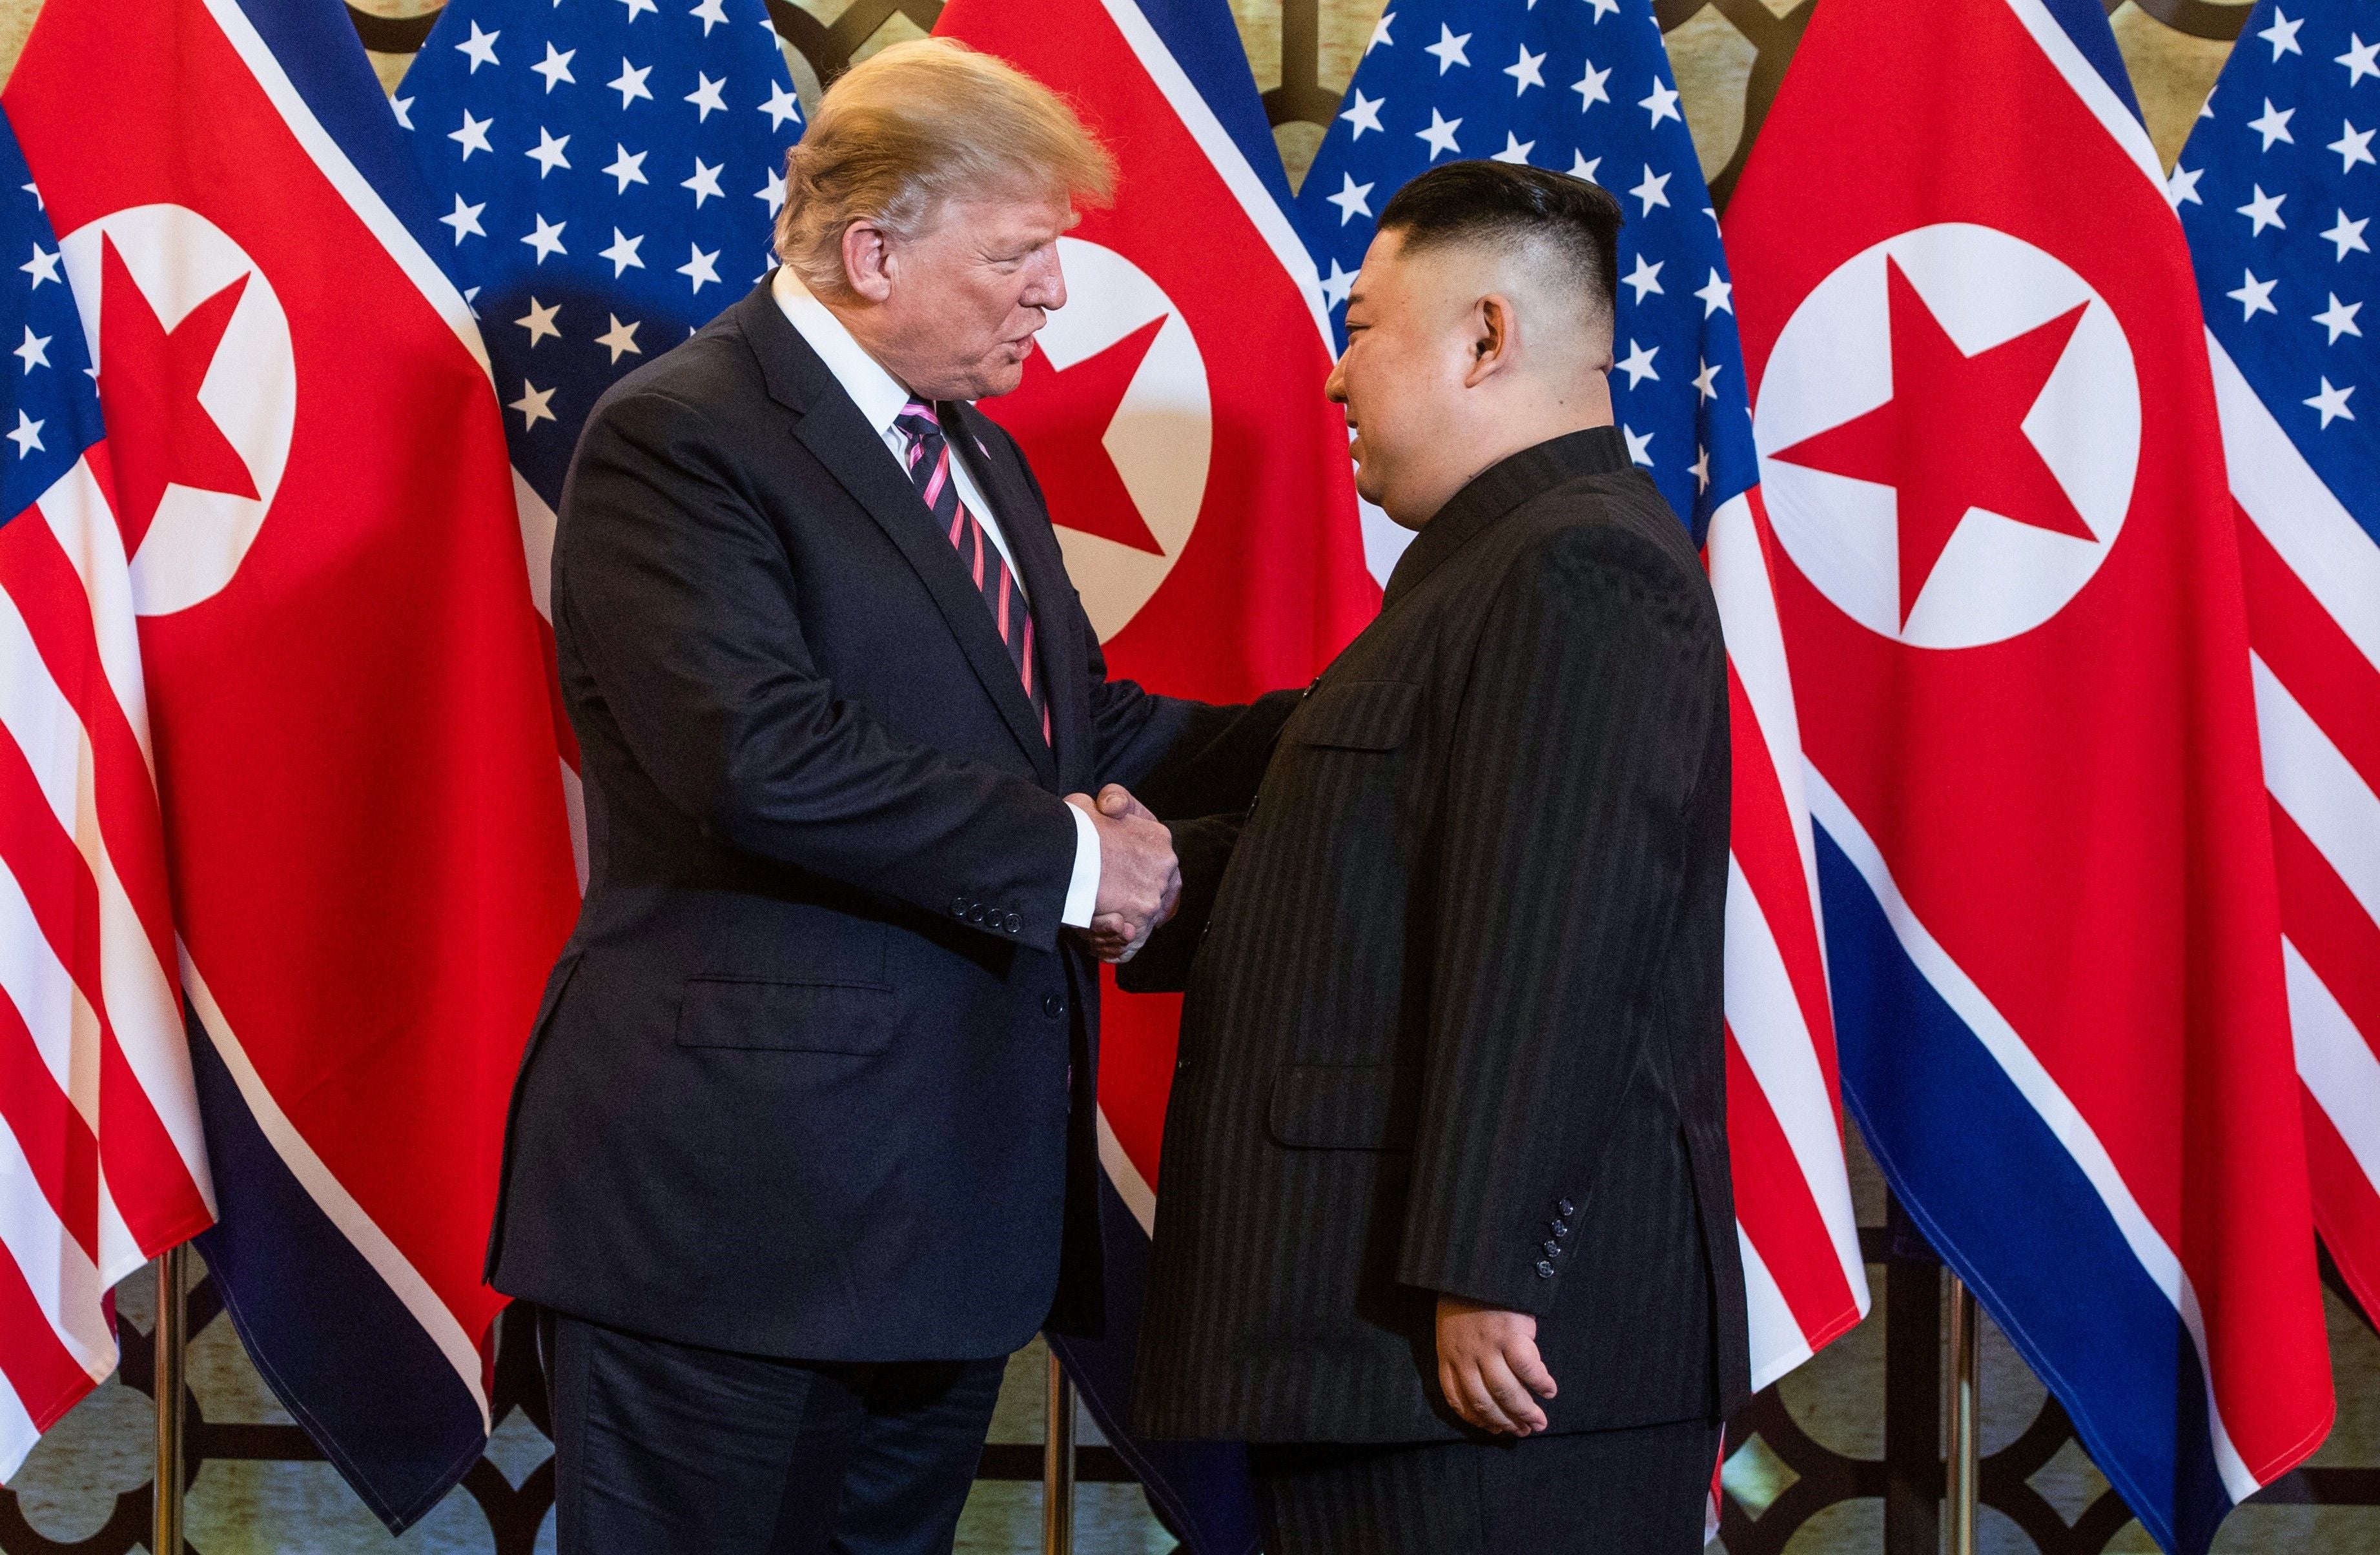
1140, 880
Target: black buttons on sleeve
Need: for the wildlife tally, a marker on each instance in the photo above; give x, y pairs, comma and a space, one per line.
998, 920
1552, 1246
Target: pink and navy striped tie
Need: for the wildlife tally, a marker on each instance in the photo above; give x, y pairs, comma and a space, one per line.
929, 469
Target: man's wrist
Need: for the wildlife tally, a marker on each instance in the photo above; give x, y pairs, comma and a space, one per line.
1083, 885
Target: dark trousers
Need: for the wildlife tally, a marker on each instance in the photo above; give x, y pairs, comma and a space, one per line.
665, 1449
1619, 1492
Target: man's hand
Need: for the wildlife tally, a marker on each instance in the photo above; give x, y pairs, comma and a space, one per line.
1140, 881
1487, 1367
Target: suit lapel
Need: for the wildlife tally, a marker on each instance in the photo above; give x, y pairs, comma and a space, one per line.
1025, 521
832, 429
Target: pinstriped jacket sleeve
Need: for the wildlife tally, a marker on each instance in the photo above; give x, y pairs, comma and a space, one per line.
1579, 736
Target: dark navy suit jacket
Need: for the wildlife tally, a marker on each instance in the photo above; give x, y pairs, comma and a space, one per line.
814, 1077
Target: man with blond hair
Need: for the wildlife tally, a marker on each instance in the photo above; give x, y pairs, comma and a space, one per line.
803, 1146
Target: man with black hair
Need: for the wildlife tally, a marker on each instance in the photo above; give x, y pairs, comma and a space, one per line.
1447, 1228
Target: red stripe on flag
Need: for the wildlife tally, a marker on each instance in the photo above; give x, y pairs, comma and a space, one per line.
2315, 661
45, 1374
56, 1142
154, 1189
1761, 837
158, 1202
2346, 1205
1779, 1215
2329, 927
49, 594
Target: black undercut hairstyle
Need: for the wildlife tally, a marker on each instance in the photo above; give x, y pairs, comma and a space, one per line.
1508, 205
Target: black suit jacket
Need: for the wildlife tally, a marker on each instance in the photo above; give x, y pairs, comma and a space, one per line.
814, 1076
1455, 1023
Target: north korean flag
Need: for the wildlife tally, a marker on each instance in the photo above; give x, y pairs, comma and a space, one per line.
1201, 488
2009, 589
366, 836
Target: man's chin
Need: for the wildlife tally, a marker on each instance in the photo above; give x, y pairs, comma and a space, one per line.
998, 379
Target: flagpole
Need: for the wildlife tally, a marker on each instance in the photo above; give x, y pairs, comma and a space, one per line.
1965, 1457
1058, 1464
172, 1340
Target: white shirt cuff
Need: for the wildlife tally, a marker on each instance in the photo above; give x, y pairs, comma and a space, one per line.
1083, 891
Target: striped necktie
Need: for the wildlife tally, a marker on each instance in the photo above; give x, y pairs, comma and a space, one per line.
929, 470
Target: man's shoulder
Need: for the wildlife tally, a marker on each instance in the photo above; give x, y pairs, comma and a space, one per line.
713, 373
1611, 527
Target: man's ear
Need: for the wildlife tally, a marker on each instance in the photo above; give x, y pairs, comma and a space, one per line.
868, 261
1495, 339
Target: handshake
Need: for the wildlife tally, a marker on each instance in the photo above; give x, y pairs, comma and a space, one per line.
1140, 880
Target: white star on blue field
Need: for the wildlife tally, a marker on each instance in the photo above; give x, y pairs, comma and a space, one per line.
2277, 189
608, 172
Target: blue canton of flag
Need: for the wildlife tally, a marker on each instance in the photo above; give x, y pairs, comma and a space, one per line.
610, 171
1582, 87
2277, 188
49, 411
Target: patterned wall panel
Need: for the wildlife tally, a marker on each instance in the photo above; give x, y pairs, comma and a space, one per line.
1843, 1455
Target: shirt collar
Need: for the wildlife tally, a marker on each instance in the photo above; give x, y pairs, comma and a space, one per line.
878, 393
1499, 490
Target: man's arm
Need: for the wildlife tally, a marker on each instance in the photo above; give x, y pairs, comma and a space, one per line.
679, 596
1579, 737
1180, 757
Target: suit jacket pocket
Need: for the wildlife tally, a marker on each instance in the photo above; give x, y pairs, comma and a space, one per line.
750, 1013
1355, 715
1343, 1106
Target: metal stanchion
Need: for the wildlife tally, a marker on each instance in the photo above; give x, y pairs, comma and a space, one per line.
1965, 1456
172, 1339
1058, 1465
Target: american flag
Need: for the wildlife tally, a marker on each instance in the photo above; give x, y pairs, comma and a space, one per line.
1583, 87
2277, 189
608, 171
608, 174
101, 1161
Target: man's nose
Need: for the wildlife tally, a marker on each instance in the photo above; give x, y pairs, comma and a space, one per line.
1334, 388
1048, 286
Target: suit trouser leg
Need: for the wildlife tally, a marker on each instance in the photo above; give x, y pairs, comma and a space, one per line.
667, 1448
1634, 1491
914, 1455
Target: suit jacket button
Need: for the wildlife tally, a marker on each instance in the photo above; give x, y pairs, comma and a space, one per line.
1562, 1208
1053, 1005
1014, 922
1553, 1249
1545, 1270
1561, 1227
975, 913
959, 907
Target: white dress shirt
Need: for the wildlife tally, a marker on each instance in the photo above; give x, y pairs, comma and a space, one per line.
880, 397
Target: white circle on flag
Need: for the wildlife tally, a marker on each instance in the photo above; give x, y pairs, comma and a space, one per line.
1997, 576
1161, 436
179, 260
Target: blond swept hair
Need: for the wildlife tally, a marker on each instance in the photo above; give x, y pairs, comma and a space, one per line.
907, 129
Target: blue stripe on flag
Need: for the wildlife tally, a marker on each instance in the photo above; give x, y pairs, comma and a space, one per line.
1205, 40
339, 1350
316, 47
2086, 24
1959, 1143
